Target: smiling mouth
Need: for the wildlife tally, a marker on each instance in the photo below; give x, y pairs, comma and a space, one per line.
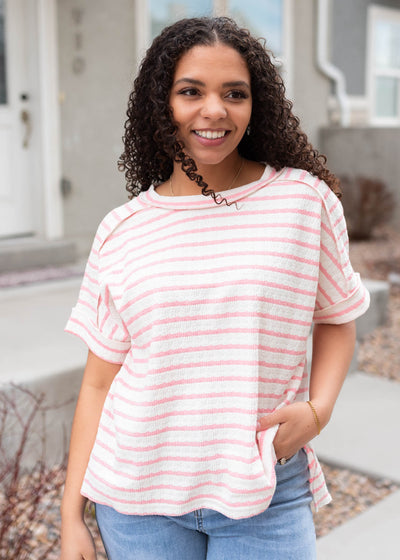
211, 134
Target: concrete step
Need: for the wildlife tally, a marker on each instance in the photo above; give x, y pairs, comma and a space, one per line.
377, 312
371, 535
39, 356
31, 252
32, 321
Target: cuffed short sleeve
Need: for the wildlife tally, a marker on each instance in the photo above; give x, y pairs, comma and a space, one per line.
341, 296
95, 318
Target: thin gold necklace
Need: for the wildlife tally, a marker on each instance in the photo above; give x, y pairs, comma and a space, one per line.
227, 188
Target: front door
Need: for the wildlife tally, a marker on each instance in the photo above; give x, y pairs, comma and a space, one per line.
16, 122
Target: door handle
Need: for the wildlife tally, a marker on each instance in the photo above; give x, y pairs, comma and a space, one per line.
26, 120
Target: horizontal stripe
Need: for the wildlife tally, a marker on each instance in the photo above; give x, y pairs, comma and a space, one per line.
220, 363
204, 302
212, 332
197, 396
215, 316
171, 501
177, 473
226, 255
181, 444
179, 488
202, 412
208, 308
194, 428
212, 379
232, 268
213, 348
186, 458
134, 235
124, 261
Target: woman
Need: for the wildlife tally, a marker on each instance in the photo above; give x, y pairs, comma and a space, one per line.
196, 306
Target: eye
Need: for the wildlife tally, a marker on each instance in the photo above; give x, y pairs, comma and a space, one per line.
189, 92
237, 94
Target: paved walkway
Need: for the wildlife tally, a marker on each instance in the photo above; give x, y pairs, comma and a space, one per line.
372, 535
363, 434
32, 320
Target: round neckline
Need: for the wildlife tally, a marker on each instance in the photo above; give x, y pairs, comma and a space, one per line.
153, 198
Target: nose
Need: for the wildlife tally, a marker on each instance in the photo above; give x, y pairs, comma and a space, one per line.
213, 107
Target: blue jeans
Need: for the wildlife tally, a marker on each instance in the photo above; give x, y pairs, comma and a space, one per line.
284, 531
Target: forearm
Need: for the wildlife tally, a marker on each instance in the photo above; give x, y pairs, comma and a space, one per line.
333, 349
86, 421
95, 386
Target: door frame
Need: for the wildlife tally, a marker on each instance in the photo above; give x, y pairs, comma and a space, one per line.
51, 221
42, 86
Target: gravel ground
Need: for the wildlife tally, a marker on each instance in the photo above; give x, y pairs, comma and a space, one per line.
379, 259
352, 492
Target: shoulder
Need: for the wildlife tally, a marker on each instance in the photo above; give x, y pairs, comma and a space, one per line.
111, 221
320, 196
298, 181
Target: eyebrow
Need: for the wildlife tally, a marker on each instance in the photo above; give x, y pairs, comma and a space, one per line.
236, 83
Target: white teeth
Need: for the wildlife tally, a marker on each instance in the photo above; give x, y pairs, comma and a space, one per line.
211, 134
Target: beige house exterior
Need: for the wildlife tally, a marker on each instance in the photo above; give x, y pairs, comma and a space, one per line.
68, 67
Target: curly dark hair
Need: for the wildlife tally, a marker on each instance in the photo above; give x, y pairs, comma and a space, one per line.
150, 140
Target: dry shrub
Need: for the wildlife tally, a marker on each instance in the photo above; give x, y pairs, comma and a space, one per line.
22, 489
367, 203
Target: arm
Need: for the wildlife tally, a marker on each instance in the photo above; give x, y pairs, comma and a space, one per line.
76, 542
333, 348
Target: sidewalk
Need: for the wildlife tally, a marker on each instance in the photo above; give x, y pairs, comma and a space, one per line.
32, 321
363, 434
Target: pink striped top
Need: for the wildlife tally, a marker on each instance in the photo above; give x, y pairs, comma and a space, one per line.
208, 309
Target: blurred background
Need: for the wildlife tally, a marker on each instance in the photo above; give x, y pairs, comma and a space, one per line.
67, 67
66, 71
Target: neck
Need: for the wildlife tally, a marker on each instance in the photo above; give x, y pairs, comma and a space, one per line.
219, 177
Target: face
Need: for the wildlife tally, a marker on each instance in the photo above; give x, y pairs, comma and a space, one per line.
211, 102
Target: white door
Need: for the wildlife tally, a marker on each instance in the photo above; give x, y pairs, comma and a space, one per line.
16, 122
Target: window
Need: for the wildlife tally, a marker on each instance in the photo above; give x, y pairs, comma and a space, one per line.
267, 19
264, 19
384, 65
164, 12
3, 84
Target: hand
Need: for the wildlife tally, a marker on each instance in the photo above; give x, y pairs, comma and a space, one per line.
77, 542
296, 428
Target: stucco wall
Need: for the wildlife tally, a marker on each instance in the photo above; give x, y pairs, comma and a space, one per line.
310, 87
97, 62
371, 152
